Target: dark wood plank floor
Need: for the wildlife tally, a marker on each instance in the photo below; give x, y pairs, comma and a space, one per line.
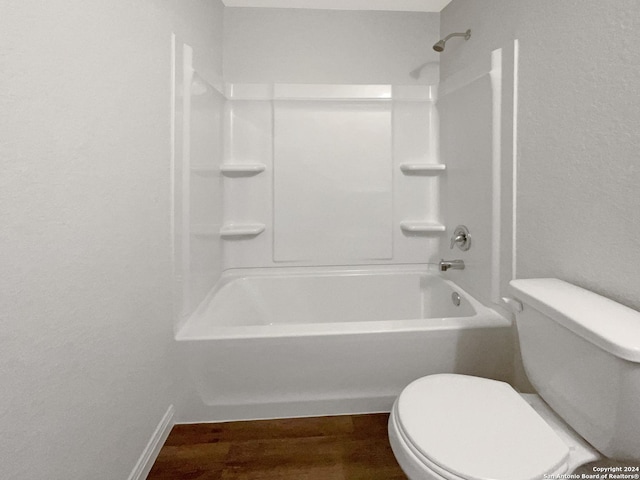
349, 447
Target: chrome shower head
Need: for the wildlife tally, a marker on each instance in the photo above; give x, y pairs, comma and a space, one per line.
439, 45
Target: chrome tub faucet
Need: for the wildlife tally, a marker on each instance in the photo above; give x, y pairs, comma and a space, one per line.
445, 265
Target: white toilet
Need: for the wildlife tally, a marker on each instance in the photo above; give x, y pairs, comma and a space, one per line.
581, 352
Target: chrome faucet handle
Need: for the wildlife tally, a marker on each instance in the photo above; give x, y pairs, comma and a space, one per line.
462, 238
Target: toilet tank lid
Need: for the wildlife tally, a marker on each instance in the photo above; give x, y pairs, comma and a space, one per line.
611, 326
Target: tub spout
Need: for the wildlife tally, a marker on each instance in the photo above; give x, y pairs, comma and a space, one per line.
451, 264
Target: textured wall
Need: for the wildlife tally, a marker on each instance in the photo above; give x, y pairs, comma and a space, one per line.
315, 46
579, 111
85, 313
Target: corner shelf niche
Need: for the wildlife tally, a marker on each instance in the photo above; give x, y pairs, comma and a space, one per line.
236, 230
422, 168
242, 169
420, 227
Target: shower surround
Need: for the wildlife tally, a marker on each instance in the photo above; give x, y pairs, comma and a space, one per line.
338, 200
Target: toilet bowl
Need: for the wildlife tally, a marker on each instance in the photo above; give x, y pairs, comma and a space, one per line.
454, 427
580, 351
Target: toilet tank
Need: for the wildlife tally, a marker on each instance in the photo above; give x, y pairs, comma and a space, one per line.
581, 352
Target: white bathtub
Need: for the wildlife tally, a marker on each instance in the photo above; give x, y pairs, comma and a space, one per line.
352, 338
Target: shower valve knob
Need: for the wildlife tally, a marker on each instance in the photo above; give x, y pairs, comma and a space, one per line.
462, 238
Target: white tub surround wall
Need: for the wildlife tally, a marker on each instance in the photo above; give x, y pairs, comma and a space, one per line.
577, 133
198, 108
330, 118
86, 341
476, 109
330, 175
478, 104
332, 341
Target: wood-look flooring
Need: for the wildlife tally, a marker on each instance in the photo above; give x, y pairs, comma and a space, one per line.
349, 447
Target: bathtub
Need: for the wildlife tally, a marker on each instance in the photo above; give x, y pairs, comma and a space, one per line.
335, 341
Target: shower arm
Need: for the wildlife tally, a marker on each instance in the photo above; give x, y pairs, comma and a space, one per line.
466, 35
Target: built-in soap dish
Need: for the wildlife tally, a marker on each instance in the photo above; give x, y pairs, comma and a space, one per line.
422, 227
422, 168
239, 230
242, 169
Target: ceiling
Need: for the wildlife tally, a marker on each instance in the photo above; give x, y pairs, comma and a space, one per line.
395, 5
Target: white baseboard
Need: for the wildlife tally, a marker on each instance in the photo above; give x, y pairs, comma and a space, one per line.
202, 413
151, 451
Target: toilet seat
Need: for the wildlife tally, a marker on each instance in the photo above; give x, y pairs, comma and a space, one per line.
472, 428
414, 464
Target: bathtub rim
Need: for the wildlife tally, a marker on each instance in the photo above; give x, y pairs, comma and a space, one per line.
484, 317
257, 332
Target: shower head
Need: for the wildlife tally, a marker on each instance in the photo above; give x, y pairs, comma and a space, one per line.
439, 45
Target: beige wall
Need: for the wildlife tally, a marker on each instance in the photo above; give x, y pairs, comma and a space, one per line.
85, 311
578, 207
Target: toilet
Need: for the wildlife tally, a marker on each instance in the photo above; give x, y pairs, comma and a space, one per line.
581, 352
